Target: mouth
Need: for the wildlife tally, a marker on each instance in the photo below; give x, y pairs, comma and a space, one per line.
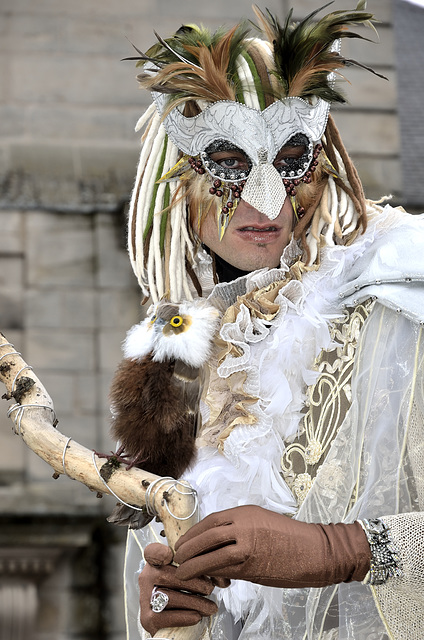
259, 229
259, 234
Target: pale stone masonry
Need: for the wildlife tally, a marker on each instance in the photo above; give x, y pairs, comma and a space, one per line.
68, 105
409, 28
68, 155
67, 297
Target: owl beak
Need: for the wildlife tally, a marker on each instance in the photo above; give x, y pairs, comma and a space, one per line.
160, 322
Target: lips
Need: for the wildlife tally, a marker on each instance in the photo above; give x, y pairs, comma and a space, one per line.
259, 229
258, 234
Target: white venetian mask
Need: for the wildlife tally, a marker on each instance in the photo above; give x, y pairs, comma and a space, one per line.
259, 135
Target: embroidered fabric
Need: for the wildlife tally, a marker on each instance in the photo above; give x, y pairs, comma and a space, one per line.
349, 486
326, 404
372, 467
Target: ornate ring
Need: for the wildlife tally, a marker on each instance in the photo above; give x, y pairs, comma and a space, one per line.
158, 600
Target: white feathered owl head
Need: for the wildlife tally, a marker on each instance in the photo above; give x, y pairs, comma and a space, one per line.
175, 332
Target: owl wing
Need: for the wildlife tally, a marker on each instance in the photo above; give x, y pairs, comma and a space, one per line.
156, 414
127, 517
190, 381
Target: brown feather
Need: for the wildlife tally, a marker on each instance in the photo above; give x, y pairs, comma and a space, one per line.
301, 80
265, 25
303, 56
206, 81
156, 414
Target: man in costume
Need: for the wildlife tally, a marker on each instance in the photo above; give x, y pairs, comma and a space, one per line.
310, 459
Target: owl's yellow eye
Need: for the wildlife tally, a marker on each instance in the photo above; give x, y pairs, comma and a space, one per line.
176, 321
153, 318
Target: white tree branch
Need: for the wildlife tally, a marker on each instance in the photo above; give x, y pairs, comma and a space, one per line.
34, 418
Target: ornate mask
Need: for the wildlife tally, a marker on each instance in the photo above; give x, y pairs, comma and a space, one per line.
260, 135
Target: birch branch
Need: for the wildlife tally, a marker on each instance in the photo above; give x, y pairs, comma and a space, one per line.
34, 419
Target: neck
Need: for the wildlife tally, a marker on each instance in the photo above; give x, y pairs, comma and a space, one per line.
227, 272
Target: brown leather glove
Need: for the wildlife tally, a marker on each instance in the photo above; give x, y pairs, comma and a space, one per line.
251, 543
184, 608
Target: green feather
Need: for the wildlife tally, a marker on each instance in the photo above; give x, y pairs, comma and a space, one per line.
302, 54
257, 81
301, 47
194, 36
164, 218
186, 79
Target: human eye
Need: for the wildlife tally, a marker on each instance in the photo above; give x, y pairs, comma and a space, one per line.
288, 155
230, 159
224, 160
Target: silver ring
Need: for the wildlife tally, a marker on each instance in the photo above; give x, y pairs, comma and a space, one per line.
158, 600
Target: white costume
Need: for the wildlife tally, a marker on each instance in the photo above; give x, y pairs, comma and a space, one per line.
315, 405
370, 461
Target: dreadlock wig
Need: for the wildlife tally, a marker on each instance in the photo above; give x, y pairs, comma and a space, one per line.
232, 90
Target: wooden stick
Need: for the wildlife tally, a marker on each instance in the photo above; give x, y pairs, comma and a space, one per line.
34, 419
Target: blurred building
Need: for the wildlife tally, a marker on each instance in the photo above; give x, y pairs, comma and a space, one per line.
68, 155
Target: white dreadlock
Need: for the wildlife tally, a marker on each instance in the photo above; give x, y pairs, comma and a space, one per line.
150, 215
335, 217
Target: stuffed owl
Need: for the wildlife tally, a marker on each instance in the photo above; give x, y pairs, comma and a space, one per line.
156, 391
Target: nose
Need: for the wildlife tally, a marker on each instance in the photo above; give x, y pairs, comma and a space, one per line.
249, 207
246, 207
264, 190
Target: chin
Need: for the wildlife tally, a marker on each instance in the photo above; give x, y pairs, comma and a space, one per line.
254, 264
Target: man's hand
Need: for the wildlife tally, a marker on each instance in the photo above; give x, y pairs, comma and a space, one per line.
186, 602
251, 543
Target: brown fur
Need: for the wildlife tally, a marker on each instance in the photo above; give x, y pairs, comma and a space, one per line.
156, 416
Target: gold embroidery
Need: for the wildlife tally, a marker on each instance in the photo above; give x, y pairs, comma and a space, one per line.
301, 486
327, 402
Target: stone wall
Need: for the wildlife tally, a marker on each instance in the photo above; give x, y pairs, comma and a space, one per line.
68, 154
409, 26
68, 105
67, 298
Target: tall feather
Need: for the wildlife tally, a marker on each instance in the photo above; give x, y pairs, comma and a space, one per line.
302, 51
195, 64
